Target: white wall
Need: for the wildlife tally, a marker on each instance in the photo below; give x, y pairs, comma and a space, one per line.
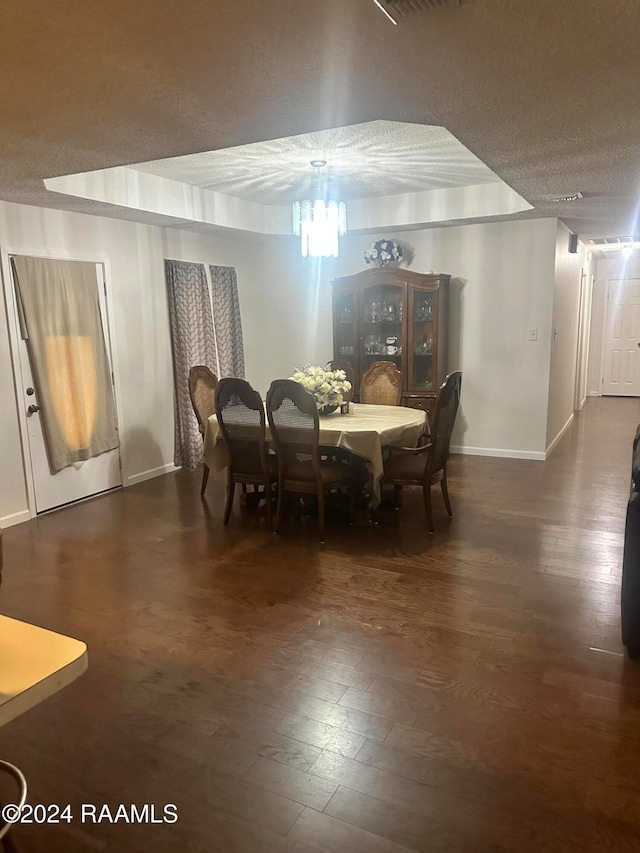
139, 327
502, 286
564, 340
606, 269
502, 278
294, 310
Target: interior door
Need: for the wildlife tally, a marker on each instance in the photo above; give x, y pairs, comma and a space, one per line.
83, 479
622, 339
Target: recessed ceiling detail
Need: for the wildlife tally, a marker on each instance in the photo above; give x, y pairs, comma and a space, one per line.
613, 242
379, 158
396, 174
398, 10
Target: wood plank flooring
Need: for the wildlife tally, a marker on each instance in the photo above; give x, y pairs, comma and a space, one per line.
387, 692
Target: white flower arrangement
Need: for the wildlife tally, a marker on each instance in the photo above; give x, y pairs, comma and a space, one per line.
382, 252
327, 386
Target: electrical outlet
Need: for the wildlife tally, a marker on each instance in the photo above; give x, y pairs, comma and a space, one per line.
533, 334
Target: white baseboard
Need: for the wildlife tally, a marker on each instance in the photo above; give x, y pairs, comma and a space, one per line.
152, 472
15, 518
536, 455
560, 434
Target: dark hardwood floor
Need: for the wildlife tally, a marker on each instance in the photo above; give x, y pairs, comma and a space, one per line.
389, 691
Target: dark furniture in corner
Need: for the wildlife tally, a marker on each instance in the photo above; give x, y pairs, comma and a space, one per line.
395, 315
630, 603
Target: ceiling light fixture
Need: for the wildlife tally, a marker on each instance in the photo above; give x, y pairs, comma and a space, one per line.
319, 222
568, 197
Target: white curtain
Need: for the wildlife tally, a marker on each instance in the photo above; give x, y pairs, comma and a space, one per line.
60, 318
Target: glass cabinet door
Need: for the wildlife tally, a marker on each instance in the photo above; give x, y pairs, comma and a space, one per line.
345, 327
422, 341
382, 312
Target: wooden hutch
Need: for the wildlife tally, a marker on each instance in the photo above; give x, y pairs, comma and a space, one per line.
390, 314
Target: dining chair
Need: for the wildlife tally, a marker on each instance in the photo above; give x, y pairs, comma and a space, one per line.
240, 414
381, 384
426, 464
351, 376
295, 429
202, 391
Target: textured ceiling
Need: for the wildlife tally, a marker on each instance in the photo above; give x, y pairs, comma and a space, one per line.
379, 158
544, 92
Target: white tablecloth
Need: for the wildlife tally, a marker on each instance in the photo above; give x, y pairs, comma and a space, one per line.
364, 431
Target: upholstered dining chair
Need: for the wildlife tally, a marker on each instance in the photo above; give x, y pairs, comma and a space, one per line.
202, 391
381, 384
295, 429
426, 464
240, 414
351, 376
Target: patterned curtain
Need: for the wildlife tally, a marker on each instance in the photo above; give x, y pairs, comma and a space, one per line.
228, 325
193, 341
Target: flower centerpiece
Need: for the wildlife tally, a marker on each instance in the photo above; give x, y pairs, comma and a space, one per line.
327, 386
383, 252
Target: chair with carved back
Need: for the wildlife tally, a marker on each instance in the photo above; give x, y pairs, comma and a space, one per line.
240, 414
381, 384
350, 374
202, 391
426, 464
295, 429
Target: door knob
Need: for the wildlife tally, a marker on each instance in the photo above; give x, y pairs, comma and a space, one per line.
33, 409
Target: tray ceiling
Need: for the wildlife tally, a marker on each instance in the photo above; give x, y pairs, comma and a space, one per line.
544, 93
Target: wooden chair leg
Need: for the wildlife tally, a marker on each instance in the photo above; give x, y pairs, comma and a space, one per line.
267, 503
445, 495
231, 488
205, 477
279, 508
321, 514
426, 494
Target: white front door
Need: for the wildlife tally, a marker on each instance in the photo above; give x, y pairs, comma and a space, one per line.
622, 339
78, 481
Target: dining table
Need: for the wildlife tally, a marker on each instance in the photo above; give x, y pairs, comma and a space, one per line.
363, 431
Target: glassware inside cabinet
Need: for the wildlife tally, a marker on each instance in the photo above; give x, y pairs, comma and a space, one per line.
422, 356
382, 311
345, 326
423, 307
383, 304
345, 309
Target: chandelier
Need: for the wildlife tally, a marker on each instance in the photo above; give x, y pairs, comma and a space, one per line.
319, 222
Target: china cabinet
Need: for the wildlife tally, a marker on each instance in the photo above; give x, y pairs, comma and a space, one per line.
394, 315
